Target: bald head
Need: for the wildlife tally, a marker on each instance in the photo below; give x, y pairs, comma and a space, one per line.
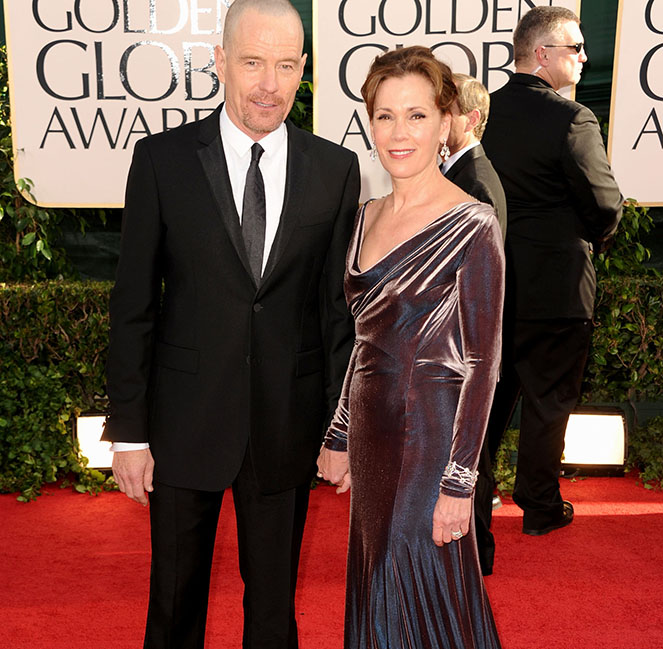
261, 64
263, 7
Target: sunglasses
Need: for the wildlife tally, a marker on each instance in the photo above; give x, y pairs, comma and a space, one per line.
578, 47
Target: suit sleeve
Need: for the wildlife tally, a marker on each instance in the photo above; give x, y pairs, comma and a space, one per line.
586, 167
134, 304
338, 326
483, 192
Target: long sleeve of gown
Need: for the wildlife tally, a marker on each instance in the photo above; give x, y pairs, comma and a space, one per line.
480, 282
336, 438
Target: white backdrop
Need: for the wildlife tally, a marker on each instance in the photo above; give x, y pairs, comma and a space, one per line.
636, 119
472, 36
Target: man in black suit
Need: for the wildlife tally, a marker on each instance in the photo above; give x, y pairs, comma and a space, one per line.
229, 331
562, 203
470, 169
467, 165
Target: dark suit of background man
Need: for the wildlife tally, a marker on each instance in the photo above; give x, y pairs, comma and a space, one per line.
470, 169
467, 166
562, 202
231, 373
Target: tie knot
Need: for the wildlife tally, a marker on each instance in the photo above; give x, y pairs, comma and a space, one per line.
256, 152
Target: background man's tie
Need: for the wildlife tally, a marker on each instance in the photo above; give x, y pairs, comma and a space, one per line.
254, 213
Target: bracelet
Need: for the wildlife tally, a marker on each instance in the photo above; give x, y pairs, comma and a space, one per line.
466, 477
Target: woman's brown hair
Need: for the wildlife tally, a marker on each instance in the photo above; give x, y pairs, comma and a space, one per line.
410, 60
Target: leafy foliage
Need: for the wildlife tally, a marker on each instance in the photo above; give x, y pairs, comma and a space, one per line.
626, 254
53, 340
301, 113
626, 356
504, 469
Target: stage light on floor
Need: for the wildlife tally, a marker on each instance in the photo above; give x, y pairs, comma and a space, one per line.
595, 442
88, 432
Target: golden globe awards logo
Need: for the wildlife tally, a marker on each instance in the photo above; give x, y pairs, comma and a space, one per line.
96, 73
90, 77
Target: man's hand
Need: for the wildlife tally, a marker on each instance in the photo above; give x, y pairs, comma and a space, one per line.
333, 466
451, 515
133, 472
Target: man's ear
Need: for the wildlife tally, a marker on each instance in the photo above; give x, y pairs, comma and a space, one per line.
473, 118
220, 61
302, 63
541, 56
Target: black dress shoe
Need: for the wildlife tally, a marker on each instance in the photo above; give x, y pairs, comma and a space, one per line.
567, 517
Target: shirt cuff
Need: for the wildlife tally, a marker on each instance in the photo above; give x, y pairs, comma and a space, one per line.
128, 446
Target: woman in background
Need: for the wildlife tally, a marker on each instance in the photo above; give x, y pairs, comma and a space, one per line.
424, 282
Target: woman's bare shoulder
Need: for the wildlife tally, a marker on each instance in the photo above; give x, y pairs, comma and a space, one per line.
372, 209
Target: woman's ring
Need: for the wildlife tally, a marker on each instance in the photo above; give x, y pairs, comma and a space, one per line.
457, 535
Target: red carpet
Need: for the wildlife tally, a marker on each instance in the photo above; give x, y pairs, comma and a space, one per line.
75, 570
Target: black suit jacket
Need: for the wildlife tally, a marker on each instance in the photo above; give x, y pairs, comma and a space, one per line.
474, 174
202, 361
561, 197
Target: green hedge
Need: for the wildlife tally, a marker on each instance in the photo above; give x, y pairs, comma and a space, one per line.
53, 340
626, 357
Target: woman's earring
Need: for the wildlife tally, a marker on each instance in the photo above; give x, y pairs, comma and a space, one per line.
373, 155
444, 151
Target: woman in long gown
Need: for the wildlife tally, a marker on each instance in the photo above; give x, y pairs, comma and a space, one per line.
424, 282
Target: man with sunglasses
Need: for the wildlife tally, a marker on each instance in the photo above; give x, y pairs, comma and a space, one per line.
562, 204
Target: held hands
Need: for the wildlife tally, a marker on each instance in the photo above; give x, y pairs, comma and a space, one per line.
333, 466
451, 515
133, 471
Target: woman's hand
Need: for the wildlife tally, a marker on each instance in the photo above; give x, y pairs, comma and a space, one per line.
334, 466
451, 519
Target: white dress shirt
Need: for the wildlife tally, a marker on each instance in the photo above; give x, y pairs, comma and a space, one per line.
273, 166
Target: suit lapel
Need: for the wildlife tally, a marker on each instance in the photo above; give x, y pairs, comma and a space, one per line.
213, 160
462, 162
297, 174
453, 172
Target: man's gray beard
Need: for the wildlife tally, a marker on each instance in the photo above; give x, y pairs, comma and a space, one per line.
260, 127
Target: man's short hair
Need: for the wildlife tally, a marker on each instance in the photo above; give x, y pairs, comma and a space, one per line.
269, 7
472, 94
536, 24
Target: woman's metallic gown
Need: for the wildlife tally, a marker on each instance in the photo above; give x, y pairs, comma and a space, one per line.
413, 413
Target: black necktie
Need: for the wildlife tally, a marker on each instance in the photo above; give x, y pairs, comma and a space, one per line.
254, 213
